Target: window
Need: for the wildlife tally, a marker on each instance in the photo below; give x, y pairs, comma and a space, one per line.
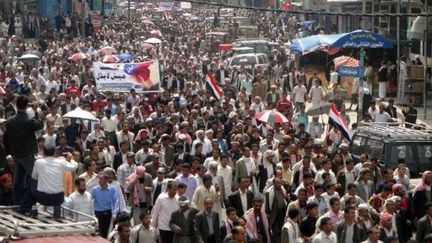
374, 148
401, 151
424, 152
260, 59
243, 60
356, 146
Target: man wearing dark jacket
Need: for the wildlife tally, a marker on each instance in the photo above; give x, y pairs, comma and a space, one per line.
20, 141
182, 222
343, 228
424, 224
235, 199
207, 224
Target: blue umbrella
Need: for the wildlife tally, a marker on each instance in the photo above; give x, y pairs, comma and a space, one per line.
125, 57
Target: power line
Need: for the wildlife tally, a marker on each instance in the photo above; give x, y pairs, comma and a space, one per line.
261, 9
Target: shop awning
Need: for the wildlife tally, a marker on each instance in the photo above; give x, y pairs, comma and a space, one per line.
313, 43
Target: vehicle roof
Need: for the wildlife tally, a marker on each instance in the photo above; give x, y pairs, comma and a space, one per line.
396, 133
216, 33
251, 41
64, 239
248, 54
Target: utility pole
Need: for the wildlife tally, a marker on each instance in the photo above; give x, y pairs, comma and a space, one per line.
398, 71
425, 44
129, 11
363, 19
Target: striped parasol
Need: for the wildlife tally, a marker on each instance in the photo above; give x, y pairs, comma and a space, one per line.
156, 33
79, 56
346, 61
110, 59
108, 50
271, 117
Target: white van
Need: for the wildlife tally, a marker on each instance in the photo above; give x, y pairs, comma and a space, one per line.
250, 61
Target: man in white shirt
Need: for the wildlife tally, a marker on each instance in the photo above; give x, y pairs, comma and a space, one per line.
81, 200
50, 136
48, 172
326, 167
381, 116
316, 93
373, 235
144, 153
290, 230
109, 125
299, 94
207, 146
326, 235
226, 173
165, 205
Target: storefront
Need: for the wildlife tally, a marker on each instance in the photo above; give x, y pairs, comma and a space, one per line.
8, 7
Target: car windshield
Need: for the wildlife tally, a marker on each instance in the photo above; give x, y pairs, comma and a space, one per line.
246, 60
374, 148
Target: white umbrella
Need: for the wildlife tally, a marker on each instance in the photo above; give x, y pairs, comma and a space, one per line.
79, 113
153, 40
29, 58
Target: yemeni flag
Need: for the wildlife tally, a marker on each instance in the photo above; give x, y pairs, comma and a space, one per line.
337, 120
213, 86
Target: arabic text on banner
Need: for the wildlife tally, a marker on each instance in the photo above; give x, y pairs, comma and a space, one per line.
122, 77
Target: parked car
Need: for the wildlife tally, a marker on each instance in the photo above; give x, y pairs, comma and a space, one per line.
250, 61
259, 45
390, 143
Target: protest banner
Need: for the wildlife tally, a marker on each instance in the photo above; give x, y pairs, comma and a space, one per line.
122, 77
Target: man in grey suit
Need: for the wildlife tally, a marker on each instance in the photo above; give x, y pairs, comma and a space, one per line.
207, 224
424, 224
365, 187
348, 230
182, 222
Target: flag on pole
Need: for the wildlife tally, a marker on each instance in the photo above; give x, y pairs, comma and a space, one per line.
337, 120
213, 86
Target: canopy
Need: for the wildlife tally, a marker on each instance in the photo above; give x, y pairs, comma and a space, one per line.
355, 39
313, 43
362, 39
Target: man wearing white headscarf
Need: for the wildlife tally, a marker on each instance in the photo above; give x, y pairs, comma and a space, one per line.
181, 222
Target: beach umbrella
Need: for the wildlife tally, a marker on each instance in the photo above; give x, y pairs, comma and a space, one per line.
79, 56
35, 52
108, 50
29, 58
126, 57
346, 61
271, 117
110, 59
79, 113
153, 40
147, 45
156, 33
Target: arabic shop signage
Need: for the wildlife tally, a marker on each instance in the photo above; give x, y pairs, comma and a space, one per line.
364, 40
349, 71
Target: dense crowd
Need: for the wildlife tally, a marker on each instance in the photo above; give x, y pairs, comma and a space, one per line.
182, 166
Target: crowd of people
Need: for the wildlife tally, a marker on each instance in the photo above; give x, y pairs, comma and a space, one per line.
182, 166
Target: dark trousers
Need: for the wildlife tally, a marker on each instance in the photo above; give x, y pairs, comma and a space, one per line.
54, 200
166, 236
23, 183
211, 239
104, 219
